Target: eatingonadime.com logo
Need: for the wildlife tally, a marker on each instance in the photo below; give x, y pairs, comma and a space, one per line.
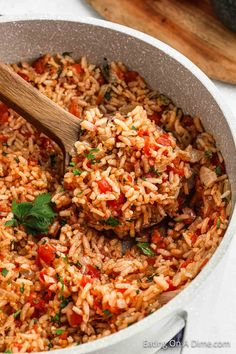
186, 344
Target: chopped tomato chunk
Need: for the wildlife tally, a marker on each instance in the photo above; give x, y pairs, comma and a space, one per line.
130, 76
74, 108
158, 239
164, 140
101, 80
142, 132
24, 76
4, 114
92, 271
148, 146
39, 64
172, 287
47, 253
38, 303
85, 280
78, 68
73, 318
116, 204
186, 263
64, 335
104, 186
156, 117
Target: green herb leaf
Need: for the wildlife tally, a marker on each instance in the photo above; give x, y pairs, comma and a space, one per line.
59, 331
8, 351
72, 163
107, 95
133, 127
150, 278
77, 172
78, 343
107, 313
16, 159
137, 291
144, 246
4, 272
152, 170
143, 178
59, 71
208, 153
63, 222
11, 222
22, 288
55, 318
218, 171
218, 223
65, 301
111, 221
17, 313
35, 216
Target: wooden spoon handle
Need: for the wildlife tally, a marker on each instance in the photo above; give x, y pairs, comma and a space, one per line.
39, 110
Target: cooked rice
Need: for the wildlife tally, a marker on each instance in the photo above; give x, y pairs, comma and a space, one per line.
93, 286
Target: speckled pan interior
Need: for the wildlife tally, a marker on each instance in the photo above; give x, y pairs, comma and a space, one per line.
24, 40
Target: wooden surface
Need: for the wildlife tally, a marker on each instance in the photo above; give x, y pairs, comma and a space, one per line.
39, 110
188, 26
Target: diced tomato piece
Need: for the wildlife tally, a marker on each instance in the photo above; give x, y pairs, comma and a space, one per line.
171, 286
101, 80
38, 303
164, 140
73, 318
92, 271
178, 171
47, 253
186, 263
24, 76
17, 346
158, 239
64, 335
4, 114
148, 146
151, 260
156, 117
85, 280
104, 186
143, 132
39, 65
74, 108
116, 204
130, 76
78, 68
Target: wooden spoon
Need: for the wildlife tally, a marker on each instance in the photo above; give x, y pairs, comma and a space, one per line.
36, 108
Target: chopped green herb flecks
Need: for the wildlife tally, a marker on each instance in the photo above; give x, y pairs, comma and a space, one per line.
218, 171
8, 351
143, 178
4, 272
77, 172
107, 95
22, 288
133, 127
107, 312
59, 331
91, 157
150, 278
110, 221
152, 170
35, 216
208, 154
65, 301
137, 291
218, 223
17, 313
55, 318
72, 163
145, 248
63, 222
16, 159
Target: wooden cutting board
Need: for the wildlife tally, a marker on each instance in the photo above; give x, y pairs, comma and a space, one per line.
189, 26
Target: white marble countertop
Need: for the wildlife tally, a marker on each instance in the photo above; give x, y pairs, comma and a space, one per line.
223, 324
